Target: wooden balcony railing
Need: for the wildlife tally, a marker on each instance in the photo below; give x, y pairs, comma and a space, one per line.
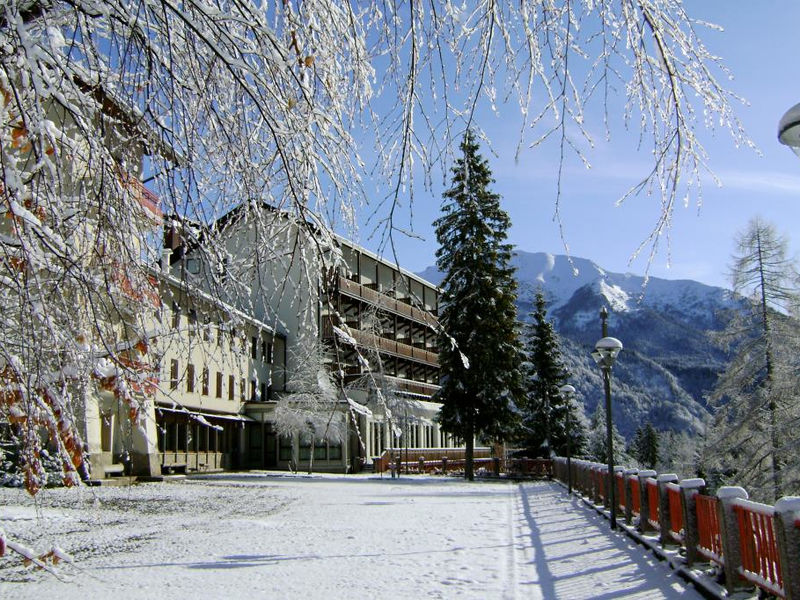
368, 340
399, 383
367, 293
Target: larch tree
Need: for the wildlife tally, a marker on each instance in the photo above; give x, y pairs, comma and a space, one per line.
756, 416
479, 352
549, 419
216, 104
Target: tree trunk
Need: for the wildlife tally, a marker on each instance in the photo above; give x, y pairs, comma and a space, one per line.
768, 384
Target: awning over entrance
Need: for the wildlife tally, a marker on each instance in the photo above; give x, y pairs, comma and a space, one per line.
196, 414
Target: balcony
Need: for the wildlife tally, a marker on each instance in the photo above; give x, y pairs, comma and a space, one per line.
385, 345
368, 293
400, 384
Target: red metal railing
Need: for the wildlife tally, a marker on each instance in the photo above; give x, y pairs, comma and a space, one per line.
636, 500
760, 564
708, 529
620, 479
652, 502
676, 529
600, 478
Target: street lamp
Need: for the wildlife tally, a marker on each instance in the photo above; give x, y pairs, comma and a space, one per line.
605, 353
789, 129
568, 391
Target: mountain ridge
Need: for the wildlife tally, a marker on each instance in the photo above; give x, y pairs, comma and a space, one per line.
668, 364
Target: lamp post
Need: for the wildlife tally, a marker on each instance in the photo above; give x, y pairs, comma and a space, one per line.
605, 353
789, 129
568, 391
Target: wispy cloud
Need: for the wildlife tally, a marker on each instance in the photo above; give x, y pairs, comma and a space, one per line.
760, 181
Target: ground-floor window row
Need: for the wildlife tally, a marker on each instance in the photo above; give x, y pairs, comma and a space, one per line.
414, 435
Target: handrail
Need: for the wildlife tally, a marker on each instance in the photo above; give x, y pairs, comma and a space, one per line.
636, 500
651, 487
760, 553
709, 534
676, 529
620, 481
758, 547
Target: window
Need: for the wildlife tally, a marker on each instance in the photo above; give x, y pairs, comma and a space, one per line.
305, 447
320, 450
170, 437
176, 315
285, 448
193, 265
269, 353
254, 348
220, 333
219, 385
264, 355
242, 389
190, 377
173, 374
263, 392
205, 381
206, 330
231, 387
335, 451
252, 390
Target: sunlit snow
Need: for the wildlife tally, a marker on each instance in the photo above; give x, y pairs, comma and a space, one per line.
283, 536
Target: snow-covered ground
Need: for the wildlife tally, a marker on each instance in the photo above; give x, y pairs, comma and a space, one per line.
279, 536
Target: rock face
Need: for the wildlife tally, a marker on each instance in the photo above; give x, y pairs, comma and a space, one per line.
668, 363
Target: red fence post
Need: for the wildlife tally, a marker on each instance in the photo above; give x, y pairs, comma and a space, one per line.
787, 534
729, 532
690, 488
644, 505
663, 507
629, 494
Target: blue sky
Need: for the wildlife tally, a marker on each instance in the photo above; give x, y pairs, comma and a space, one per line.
759, 45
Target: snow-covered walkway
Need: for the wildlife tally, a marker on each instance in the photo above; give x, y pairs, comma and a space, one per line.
271, 536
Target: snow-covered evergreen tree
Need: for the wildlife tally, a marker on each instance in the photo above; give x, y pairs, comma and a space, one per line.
597, 446
755, 424
546, 413
480, 352
645, 446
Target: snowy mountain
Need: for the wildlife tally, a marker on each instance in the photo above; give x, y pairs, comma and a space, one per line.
668, 364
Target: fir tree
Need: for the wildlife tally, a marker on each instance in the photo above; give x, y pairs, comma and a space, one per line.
549, 418
644, 447
480, 352
597, 446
